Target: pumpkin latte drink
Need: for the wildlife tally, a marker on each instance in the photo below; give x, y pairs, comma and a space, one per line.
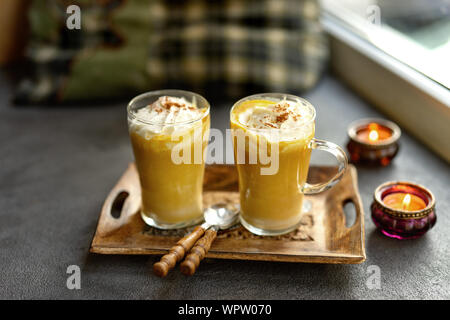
273, 136
169, 132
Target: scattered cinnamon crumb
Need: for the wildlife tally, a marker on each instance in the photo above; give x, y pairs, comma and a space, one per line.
169, 105
270, 125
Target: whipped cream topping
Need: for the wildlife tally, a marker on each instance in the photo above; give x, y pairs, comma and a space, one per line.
281, 115
284, 115
168, 110
163, 115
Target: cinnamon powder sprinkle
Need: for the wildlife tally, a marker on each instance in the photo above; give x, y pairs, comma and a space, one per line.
167, 104
285, 113
282, 117
282, 108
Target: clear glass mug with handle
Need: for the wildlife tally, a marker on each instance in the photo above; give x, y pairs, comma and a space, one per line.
273, 163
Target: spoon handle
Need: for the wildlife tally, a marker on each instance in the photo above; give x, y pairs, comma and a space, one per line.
177, 252
198, 253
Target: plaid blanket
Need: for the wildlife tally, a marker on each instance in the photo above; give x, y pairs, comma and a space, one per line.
221, 47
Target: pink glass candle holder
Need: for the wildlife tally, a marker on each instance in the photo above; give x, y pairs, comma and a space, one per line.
403, 210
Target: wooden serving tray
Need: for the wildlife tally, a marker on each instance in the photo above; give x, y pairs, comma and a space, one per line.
322, 236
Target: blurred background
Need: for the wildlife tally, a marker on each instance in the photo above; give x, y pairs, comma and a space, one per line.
128, 46
107, 50
214, 47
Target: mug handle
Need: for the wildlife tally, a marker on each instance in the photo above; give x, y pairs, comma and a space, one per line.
341, 157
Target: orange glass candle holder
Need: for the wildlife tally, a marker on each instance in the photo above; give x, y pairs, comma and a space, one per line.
373, 141
403, 210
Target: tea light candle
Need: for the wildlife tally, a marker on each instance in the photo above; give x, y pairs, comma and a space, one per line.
404, 201
403, 210
373, 141
373, 133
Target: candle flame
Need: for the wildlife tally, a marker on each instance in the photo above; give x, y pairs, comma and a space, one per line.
406, 202
373, 135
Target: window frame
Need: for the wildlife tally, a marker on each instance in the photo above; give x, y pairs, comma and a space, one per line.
422, 105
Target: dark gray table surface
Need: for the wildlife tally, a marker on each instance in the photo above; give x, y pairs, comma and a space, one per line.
58, 164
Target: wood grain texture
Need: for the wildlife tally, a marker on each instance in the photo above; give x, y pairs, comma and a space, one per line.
177, 252
198, 253
322, 236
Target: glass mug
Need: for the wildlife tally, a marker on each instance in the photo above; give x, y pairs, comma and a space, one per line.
171, 190
271, 203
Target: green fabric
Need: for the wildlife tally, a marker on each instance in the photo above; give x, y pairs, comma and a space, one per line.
98, 73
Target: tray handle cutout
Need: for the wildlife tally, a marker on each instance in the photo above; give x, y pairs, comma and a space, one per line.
122, 202
351, 209
118, 203
350, 214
